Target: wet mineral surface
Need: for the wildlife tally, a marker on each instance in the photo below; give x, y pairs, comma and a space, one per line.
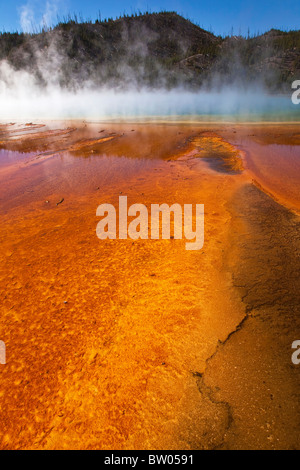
123, 344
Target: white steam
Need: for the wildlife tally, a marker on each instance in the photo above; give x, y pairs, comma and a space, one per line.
22, 98
27, 18
49, 90
31, 19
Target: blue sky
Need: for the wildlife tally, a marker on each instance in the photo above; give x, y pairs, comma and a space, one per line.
220, 16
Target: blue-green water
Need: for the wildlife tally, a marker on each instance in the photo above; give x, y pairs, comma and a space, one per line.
226, 105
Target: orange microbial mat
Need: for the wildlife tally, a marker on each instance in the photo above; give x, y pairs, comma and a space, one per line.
141, 344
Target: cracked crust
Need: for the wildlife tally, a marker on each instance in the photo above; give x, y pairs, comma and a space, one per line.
260, 390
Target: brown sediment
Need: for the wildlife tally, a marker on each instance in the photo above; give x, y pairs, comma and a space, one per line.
22, 131
250, 377
80, 147
218, 152
144, 345
38, 135
160, 141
